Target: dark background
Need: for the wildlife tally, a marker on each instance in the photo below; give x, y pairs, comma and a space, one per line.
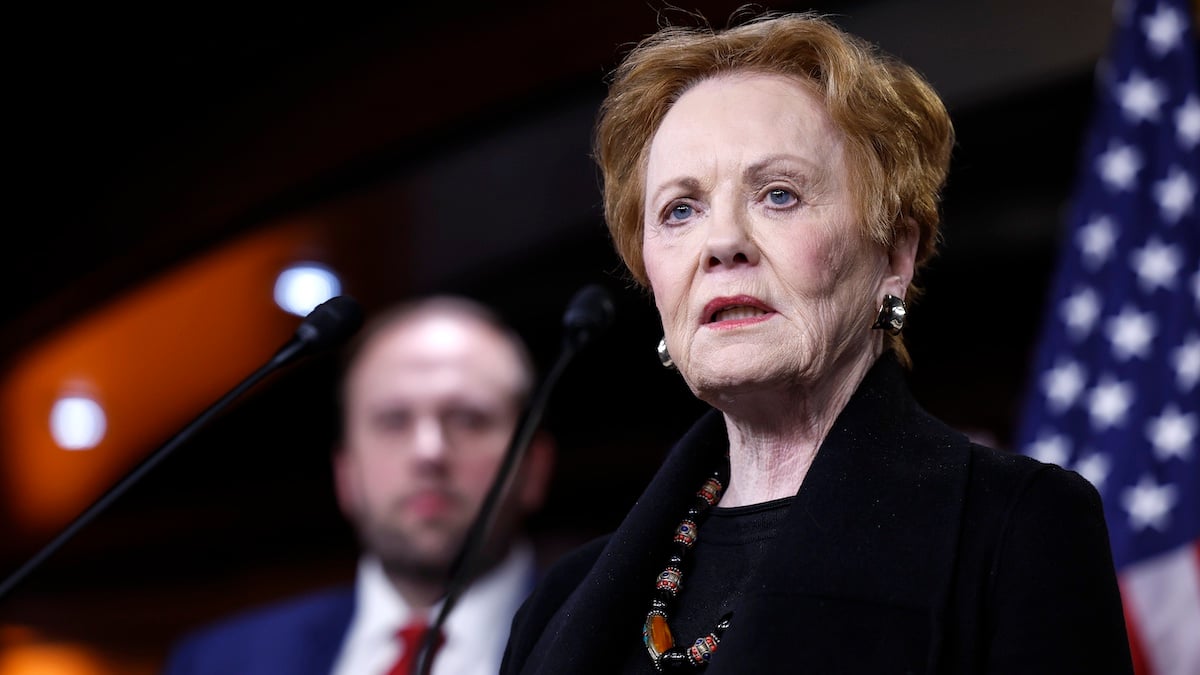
139, 140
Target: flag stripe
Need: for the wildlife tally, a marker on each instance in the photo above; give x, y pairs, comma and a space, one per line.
1136, 651
1162, 595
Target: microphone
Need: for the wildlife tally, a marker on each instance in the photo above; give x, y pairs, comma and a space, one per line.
328, 324
588, 313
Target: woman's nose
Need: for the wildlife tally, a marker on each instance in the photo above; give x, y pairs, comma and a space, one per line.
730, 242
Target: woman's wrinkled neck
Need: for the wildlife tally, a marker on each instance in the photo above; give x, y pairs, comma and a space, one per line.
774, 435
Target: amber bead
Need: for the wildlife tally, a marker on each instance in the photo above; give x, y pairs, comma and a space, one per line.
658, 634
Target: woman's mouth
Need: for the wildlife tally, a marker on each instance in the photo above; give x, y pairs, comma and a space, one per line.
736, 313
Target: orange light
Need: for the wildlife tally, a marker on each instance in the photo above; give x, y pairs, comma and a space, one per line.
51, 659
24, 652
153, 360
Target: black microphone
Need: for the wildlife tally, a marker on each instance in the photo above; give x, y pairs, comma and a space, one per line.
328, 324
588, 313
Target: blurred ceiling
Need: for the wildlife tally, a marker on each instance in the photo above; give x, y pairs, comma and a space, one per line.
142, 137
445, 149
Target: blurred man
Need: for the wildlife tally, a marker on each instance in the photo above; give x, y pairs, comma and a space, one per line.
431, 394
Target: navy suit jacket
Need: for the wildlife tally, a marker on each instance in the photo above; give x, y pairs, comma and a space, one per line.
297, 637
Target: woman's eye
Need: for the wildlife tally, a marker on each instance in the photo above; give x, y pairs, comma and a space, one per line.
680, 212
781, 197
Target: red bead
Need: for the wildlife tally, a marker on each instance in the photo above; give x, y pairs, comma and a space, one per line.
702, 650
686, 533
669, 580
710, 491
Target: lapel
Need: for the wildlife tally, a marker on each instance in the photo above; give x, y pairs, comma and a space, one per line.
323, 636
608, 606
861, 567
867, 547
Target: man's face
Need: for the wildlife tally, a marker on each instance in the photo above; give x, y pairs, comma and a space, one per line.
430, 408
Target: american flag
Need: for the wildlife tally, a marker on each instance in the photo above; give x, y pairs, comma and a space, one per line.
1114, 393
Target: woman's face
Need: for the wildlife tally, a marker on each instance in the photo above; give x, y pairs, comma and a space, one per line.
751, 241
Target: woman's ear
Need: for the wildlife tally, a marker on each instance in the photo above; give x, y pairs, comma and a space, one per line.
902, 258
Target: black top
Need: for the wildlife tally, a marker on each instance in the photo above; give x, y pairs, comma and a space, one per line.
730, 544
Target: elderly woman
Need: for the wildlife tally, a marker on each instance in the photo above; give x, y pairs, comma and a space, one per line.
775, 186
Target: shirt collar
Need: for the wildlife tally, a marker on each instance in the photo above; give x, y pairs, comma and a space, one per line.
476, 629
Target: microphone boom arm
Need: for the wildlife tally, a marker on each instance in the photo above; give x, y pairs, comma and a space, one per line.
334, 319
588, 312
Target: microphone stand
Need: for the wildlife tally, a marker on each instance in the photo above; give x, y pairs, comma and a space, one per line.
306, 338
582, 324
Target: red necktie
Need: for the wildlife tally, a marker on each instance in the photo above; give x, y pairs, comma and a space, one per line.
410, 637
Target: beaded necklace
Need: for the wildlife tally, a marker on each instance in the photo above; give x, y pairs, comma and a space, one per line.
656, 633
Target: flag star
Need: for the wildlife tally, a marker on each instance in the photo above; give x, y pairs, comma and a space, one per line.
1062, 384
1096, 240
1156, 264
1095, 468
1080, 311
1108, 402
1131, 333
1175, 194
1149, 504
1172, 433
1186, 359
1140, 97
1187, 122
1163, 29
1052, 449
1118, 166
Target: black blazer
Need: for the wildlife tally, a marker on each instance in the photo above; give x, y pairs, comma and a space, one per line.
908, 549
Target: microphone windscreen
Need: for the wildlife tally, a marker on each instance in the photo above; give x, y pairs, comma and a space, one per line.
330, 323
589, 312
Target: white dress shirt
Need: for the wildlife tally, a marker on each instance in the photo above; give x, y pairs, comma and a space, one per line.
476, 629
